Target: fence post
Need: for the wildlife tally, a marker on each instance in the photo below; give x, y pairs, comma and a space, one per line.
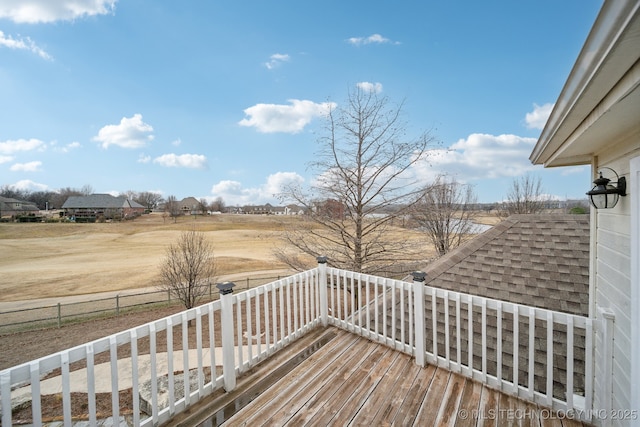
59, 315
228, 361
117, 305
322, 289
419, 278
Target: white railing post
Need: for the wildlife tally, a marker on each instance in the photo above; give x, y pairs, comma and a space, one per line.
418, 316
322, 289
606, 326
226, 314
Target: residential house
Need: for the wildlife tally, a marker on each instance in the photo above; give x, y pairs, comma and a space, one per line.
596, 122
189, 206
13, 207
101, 206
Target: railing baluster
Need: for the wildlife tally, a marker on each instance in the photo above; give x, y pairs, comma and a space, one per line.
239, 341
66, 388
274, 317
170, 377
91, 385
296, 315
249, 307
470, 334
212, 345
36, 407
267, 329
549, 358
499, 344
282, 318
154, 372
115, 401
199, 351
185, 358
259, 322
516, 349
532, 354
484, 340
290, 332
458, 333
403, 318
447, 352
570, 362
434, 324
133, 335
394, 317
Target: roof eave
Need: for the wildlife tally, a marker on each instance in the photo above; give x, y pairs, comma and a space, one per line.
603, 61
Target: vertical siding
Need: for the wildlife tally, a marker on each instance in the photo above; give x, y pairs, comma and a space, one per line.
612, 265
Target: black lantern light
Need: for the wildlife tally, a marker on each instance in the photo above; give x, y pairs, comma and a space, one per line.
605, 195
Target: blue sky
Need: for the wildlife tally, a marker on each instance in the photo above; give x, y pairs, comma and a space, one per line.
225, 99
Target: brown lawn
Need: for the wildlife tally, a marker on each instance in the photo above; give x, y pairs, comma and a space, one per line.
44, 260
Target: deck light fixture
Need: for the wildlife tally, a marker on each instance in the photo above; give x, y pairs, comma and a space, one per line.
605, 195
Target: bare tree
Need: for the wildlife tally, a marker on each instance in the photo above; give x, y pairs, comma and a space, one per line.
445, 213
218, 205
203, 206
172, 208
362, 184
188, 268
525, 196
149, 199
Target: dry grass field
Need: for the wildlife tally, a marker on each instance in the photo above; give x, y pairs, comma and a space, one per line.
55, 260
44, 260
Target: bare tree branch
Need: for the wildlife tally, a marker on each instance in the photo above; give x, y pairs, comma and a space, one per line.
362, 187
188, 268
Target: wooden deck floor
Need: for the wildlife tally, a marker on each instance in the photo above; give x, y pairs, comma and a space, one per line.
353, 381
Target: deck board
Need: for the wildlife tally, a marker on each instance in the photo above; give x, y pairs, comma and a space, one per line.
354, 381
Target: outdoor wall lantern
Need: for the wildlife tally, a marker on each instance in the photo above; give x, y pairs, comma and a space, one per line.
604, 195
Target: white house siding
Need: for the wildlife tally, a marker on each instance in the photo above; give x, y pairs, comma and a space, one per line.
612, 278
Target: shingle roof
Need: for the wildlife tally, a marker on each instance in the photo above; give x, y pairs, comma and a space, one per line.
534, 260
98, 201
539, 260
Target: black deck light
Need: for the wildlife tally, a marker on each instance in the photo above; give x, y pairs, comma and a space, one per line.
225, 288
604, 195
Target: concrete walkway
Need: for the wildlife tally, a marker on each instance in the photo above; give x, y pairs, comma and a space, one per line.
102, 373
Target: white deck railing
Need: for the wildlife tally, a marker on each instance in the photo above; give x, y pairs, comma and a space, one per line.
539, 355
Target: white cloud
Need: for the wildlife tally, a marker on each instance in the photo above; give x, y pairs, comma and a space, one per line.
370, 87
144, 159
374, 38
5, 159
26, 167
276, 59
271, 118
14, 146
23, 43
130, 133
234, 194
539, 116
480, 156
37, 11
28, 185
66, 148
177, 142
191, 161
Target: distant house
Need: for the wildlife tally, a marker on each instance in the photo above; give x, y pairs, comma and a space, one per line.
268, 209
189, 206
14, 207
101, 207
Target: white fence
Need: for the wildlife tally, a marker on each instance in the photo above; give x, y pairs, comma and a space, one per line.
172, 363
